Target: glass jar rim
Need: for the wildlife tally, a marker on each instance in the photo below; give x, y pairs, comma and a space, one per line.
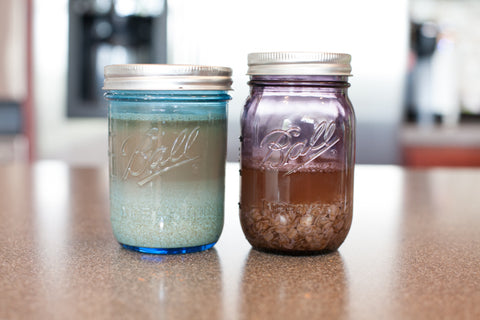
299, 63
166, 77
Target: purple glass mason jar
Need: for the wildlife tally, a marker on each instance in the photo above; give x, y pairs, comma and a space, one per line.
297, 152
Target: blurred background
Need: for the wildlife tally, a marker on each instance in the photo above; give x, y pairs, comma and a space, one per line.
416, 66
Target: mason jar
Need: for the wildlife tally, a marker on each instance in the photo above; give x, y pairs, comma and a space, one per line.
167, 127
297, 152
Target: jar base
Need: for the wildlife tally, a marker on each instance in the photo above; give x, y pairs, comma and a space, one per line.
295, 252
169, 250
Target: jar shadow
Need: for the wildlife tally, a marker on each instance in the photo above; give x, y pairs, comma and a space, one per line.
293, 287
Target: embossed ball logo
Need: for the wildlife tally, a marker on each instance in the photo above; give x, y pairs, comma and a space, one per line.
148, 157
285, 146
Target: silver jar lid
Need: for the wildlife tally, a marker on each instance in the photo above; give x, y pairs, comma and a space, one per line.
166, 77
299, 63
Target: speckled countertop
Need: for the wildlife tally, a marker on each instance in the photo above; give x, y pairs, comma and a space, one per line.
413, 253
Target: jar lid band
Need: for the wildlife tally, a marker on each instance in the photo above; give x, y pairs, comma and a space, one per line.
166, 77
299, 63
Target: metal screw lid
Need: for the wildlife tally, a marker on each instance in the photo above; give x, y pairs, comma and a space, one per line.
299, 63
166, 77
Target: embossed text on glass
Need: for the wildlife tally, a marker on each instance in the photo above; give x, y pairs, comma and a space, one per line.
147, 156
281, 148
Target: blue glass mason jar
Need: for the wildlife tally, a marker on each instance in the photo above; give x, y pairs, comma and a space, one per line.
167, 127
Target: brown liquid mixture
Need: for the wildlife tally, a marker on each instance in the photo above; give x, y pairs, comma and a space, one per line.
305, 211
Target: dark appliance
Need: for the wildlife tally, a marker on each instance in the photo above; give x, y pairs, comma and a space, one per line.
103, 32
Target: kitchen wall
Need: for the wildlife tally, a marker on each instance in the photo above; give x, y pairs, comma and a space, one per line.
13, 80
12, 53
222, 32
375, 32
77, 141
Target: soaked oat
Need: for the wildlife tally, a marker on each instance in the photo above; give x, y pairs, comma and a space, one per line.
297, 227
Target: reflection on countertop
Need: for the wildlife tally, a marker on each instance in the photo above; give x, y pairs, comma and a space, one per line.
295, 286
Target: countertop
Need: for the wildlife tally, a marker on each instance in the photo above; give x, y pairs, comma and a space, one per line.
413, 253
